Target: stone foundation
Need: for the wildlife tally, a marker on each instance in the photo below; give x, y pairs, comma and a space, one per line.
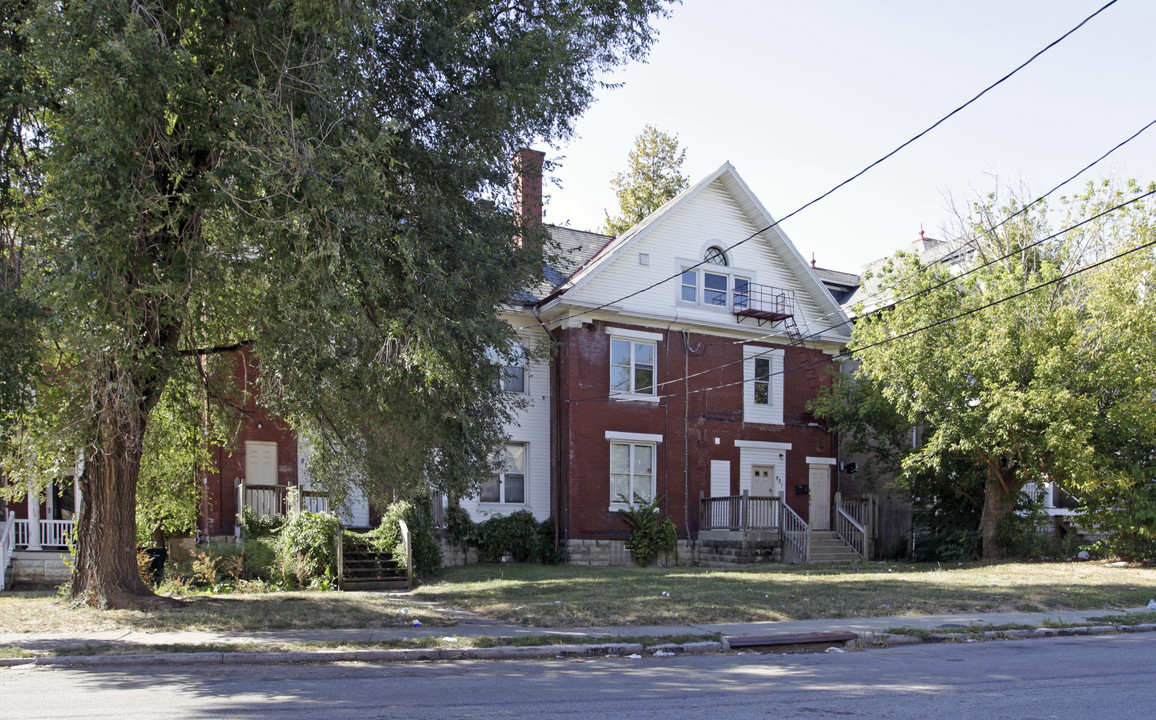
606, 553
454, 554
725, 549
38, 568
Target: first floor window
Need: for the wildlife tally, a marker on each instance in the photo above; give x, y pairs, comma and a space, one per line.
631, 471
508, 485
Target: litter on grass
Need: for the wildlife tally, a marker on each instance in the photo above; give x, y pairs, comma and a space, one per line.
1152, 604
417, 623
834, 650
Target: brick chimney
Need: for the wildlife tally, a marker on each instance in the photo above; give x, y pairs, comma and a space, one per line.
528, 187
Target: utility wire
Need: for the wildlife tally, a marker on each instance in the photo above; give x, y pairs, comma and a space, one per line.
857, 175
877, 311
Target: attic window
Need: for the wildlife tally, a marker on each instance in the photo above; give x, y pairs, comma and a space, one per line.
715, 256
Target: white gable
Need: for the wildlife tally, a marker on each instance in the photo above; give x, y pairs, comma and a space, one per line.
718, 211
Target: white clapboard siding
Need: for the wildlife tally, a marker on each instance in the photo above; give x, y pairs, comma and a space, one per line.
531, 425
712, 216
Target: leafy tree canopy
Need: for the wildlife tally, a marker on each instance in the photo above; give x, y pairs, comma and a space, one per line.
325, 184
1032, 385
653, 175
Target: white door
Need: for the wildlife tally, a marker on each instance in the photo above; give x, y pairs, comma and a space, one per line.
260, 463
820, 506
762, 481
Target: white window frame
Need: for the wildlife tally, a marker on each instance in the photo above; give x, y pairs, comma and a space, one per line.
632, 477
515, 360
635, 338
500, 475
770, 412
732, 274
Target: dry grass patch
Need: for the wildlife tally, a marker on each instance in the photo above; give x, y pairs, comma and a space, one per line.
44, 612
568, 596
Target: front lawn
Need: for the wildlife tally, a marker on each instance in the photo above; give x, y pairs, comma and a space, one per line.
44, 612
561, 596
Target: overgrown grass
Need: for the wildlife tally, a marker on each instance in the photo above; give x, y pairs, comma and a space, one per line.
569, 596
45, 612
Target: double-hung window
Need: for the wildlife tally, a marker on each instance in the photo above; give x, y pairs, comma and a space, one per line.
631, 471
513, 367
508, 485
763, 385
631, 367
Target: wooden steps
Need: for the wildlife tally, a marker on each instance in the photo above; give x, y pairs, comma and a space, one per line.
365, 568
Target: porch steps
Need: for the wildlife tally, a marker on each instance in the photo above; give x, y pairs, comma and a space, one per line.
828, 548
365, 568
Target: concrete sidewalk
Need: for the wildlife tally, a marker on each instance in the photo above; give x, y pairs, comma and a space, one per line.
477, 627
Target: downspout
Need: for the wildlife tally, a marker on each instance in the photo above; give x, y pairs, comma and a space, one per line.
561, 488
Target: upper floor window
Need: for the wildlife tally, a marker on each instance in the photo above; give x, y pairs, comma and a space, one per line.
631, 367
513, 376
715, 255
763, 385
508, 485
715, 288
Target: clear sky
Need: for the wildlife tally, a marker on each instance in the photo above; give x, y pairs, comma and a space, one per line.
800, 95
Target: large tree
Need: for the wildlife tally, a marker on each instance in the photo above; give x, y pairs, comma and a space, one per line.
323, 185
652, 176
1028, 367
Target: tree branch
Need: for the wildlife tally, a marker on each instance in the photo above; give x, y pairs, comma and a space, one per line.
216, 350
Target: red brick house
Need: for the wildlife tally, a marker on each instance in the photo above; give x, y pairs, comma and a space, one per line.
683, 355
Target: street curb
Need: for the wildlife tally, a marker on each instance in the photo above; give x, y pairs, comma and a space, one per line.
534, 652
884, 639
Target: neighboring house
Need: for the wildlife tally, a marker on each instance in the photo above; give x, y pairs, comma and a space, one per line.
688, 388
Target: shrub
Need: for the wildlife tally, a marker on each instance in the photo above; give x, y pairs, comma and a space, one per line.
950, 544
427, 556
547, 553
216, 567
307, 545
514, 535
260, 558
255, 526
459, 527
650, 533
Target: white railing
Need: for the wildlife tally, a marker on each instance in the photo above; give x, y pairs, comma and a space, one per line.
739, 513
49, 533
405, 539
851, 531
7, 546
852, 523
796, 537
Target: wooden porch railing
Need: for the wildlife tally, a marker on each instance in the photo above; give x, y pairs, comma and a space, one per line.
278, 500
796, 537
739, 513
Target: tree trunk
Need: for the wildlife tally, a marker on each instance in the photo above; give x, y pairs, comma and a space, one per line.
106, 573
998, 502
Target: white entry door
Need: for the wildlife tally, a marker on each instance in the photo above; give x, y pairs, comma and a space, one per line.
765, 481
820, 506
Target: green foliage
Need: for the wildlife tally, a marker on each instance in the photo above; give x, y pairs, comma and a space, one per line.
653, 175
1024, 384
1122, 507
338, 202
548, 553
427, 555
260, 558
459, 525
308, 542
515, 536
650, 533
255, 526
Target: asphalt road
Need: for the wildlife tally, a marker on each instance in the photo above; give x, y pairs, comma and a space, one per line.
1076, 677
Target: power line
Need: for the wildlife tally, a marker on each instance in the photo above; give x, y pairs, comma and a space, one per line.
849, 353
857, 175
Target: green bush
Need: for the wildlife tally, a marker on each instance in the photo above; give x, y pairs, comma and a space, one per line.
260, 558
949, 544
459, 527
547, 553
427, 555
308, 543
650, 533
255, 526
514, 535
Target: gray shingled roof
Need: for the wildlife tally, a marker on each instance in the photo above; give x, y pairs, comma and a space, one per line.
572, 250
